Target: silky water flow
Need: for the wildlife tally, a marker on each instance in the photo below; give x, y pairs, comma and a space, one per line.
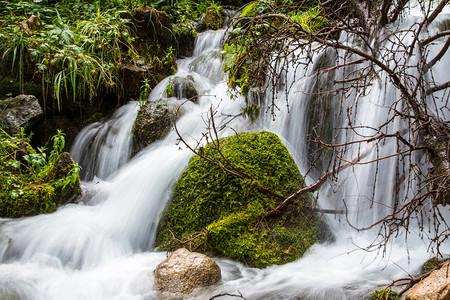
102, 247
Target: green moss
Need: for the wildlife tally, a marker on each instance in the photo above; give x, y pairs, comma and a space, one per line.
384, 295
213, 19
229, 211
65, 179
430, 264
34, 182
33, 200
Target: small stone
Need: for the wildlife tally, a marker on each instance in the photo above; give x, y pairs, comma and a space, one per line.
184, 271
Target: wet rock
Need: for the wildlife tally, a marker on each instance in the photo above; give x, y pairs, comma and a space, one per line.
214, 19
62, 170
183, 272
152, 123
184, 88
185, 43
16, 112
434, 287
44, 127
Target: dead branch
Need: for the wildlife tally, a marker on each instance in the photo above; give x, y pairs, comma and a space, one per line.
438, 88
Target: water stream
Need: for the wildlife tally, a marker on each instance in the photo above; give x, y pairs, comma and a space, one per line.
102, 248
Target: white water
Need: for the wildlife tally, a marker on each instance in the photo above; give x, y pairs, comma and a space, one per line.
102, 248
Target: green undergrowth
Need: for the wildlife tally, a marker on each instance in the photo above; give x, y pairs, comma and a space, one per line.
215, 212
75, 49
34, 181
247, 52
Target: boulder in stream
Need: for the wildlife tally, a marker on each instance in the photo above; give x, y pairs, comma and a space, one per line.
153, 122
182, 88
183, 272
214, 19
225, 215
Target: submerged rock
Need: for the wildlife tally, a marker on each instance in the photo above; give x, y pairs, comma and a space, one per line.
226, 214
16, 112
183, 272
434, 287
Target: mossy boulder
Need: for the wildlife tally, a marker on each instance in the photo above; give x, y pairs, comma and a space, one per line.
34, 199
33, 182
62, 170
151, 27
214, 19
224, 215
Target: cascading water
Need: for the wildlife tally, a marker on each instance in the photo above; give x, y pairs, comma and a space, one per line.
102, 248
102, 147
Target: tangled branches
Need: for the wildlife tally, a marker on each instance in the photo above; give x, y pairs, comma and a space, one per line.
356, 50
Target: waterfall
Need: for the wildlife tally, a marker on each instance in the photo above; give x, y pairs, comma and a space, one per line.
102, 248
101, 148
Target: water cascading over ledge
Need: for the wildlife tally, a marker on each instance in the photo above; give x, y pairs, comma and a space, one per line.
102, 248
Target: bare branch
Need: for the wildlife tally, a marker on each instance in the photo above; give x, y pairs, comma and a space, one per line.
438, 88
434, 37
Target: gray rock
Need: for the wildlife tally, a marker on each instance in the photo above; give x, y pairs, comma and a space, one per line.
183, 272
153, 122
184, 88
16, 112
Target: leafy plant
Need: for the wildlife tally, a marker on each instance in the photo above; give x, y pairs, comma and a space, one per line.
28, 179
310, 20
145, 91
170, 89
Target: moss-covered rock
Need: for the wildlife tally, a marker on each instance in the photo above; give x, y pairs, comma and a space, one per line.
62, 170
430, 264
34, 182
385, 294
213, 19
34, 199
226, 213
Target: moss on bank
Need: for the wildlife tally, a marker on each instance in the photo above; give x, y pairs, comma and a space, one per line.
226, 214
33, 181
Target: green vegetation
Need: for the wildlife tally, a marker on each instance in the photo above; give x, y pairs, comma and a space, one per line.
385, 294
75, 47
34, 181
430, 264
246, 50
215, 212
311, 20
